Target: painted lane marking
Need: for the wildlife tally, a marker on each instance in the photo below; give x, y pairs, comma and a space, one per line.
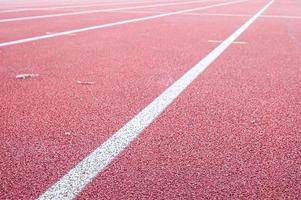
220, 41
282, 16
49, 33
41, 37
96, 11
247, 15
215, 14
77, 178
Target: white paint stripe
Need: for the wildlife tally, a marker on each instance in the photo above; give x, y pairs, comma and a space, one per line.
247, 15
76, 179
113, 24
75, 6
219, 41
48, 33
224, 15
143, 12
96, 11
282, 16
214, 14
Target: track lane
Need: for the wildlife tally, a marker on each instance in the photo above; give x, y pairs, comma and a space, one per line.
233, 134
129, 73
123, 22
236, 9
13, 30
19, 30
84, 7
84, 172
15, 7
283, 8
286, 7
103, 9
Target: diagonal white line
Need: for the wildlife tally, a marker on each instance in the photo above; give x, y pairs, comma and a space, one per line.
82, 174
114, 24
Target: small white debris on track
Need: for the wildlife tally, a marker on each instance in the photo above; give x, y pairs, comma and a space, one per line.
24, 76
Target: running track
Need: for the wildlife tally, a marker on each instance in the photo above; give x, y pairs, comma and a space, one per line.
200, 101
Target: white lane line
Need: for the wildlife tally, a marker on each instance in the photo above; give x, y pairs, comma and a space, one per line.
220, 41
97, 11
114, 24
49, 33
75, 6
82, 174
215, 14
247, 15
282, 16
224, 14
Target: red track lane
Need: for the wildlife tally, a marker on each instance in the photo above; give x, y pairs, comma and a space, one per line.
251, 8
38, 3
286, 7
7, 15
65, 10
183, 7
23, 29
233, 134
131, 65
20, 30
10, 5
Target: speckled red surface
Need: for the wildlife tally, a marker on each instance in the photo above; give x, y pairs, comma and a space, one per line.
64, 8
233, 134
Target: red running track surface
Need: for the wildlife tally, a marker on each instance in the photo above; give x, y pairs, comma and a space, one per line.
233, 134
